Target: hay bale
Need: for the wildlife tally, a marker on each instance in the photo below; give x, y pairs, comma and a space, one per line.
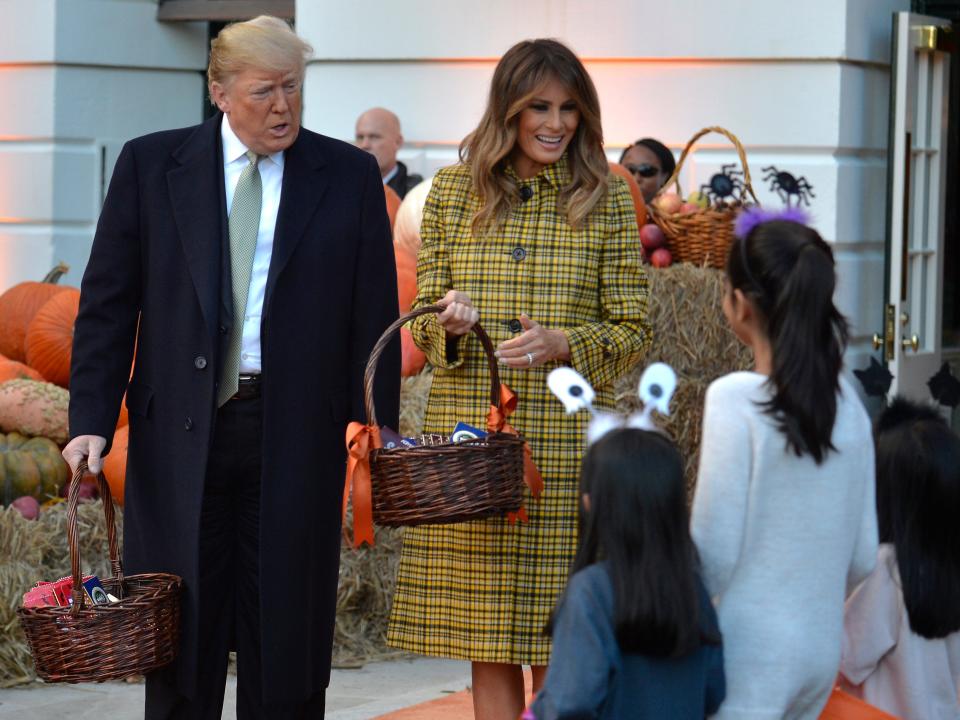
21, 554
365, 591
691, 335
34, 550
368, 575
414, 392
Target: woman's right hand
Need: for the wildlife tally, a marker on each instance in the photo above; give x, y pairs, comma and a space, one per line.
459, 314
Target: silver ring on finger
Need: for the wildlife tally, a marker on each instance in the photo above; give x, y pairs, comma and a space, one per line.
530, 357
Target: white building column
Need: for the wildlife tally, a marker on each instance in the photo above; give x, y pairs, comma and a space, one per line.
79, 78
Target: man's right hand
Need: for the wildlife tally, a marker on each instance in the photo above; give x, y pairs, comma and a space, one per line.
85, 446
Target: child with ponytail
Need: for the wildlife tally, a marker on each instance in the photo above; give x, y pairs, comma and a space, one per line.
783, 515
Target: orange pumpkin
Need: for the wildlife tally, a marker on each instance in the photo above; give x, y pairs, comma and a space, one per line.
19, 304
13, 370
844, 706
639, 206
50, 337
406, 277
115, 463
124, 419
393, 204
412, 357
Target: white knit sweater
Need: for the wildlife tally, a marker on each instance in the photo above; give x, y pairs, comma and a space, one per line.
782, 541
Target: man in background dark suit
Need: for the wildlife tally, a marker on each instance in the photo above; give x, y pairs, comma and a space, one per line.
378, 132
250, 261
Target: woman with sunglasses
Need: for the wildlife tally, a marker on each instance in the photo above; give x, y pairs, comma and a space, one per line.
651, 163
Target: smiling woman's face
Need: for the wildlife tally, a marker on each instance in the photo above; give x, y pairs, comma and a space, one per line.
545, 128
263, 108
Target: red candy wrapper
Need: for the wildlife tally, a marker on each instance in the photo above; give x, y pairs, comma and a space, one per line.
60, 593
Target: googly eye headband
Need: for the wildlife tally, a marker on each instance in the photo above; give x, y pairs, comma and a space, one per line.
656, 388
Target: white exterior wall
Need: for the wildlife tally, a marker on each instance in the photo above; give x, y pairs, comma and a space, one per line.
804, 87
79, 78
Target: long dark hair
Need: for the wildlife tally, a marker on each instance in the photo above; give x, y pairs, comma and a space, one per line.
787, 270
638, 526
918, 496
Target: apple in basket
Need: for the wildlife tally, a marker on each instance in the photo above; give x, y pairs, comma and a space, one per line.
651, 238
669, 203
699, 199
661, 258
689, 207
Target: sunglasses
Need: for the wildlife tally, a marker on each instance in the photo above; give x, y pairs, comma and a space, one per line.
645, 170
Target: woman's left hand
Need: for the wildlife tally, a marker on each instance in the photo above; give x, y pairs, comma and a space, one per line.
534, 347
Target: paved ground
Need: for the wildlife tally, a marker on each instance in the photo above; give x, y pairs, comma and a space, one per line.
361, 694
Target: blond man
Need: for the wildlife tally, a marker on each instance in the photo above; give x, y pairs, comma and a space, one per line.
249, 261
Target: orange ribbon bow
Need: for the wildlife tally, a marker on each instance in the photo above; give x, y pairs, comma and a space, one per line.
497, 422
361, 439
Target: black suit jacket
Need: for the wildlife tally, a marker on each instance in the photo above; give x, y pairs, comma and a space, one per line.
155, 277
402, 182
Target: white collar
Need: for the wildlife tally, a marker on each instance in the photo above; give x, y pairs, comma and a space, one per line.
390, 175
233, 147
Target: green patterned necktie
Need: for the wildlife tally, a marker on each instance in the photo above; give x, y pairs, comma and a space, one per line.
244, 224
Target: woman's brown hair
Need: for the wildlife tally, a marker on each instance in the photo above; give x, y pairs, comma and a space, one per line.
520, 74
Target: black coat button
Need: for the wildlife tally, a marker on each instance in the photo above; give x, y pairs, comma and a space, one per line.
199, 362
518, 254
515, 326
188, 424
223, 329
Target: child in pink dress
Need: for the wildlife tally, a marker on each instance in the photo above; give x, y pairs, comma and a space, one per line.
901, 648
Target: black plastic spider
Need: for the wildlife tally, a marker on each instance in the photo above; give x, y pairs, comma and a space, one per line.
724, 184
786, 186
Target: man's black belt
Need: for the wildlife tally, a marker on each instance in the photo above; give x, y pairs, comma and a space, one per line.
248, 386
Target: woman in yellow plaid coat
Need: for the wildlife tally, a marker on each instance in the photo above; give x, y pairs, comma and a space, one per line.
533, 237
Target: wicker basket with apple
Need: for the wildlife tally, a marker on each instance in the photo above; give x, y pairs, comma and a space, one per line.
700, 229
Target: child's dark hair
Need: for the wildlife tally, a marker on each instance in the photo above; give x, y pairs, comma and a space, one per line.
787, 270
638, 525
918, 496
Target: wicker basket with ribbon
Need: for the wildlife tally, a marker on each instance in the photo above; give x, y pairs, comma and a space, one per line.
436, 481
138, 633
704, 237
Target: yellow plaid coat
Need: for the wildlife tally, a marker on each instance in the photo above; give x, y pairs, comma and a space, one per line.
483, 590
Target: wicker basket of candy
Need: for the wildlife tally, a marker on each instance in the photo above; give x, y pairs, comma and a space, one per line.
436, 478
122, 627
700, 231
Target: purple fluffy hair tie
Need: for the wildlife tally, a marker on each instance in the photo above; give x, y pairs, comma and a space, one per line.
748, 219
